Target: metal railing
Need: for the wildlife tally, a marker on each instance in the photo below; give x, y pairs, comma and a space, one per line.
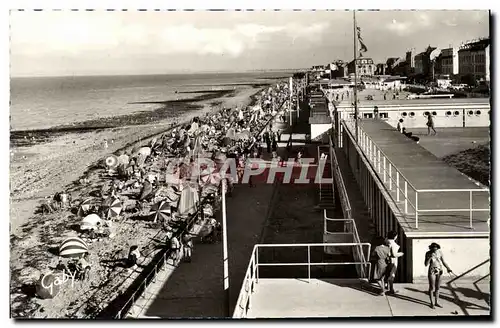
350, 227
337, 175
243, 304
140, 290
395, 181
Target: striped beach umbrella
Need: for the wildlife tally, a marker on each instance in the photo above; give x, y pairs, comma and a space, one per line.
210, 176
73, 247
160, 211
111, 207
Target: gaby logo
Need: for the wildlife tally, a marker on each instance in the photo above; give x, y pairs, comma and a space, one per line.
49, 284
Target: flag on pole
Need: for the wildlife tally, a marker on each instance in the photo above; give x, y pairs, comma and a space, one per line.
362, 48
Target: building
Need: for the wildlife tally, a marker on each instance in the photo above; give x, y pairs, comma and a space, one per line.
337, 69
410, 60
380, 69
446, 64
474, 60
423, 63
363, 66
391, 63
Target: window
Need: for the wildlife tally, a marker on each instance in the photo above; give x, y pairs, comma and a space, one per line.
384, 115
427, 114
412, 114
434, 114
368, 115
404, 114
478, 112
470, 113
456, 113
448, 113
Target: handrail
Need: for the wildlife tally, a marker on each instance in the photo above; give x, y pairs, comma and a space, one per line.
380, 161
251, 278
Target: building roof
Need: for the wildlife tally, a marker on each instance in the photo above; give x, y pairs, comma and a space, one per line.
395, 78
475, 46
425, 101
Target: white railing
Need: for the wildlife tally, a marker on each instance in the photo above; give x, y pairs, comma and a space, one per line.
386, 170
337, 175
350, 227
243, 304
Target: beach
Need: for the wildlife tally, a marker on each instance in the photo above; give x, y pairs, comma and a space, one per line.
53, 160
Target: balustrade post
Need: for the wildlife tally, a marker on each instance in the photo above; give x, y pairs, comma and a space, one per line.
384, 170
416, 209
390, 176
406, 197
398, 187
470, 209
378, 160
309, 263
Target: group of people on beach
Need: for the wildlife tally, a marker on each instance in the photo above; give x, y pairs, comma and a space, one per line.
229, 133
386, 255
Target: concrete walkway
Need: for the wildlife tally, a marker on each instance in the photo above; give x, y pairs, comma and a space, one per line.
293, 298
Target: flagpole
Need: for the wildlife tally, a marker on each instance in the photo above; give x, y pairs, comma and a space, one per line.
356, 113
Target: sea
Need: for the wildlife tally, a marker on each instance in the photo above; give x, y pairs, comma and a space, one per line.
47, 102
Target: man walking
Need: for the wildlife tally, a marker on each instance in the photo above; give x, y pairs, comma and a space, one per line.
430, 124
393, 265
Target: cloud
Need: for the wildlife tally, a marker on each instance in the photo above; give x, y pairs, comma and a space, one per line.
400, 28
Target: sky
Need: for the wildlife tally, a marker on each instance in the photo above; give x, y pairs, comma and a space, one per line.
53, 43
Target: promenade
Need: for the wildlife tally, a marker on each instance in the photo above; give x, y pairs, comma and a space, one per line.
327, 298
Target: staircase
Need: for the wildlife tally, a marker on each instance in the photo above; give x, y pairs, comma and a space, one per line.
326, 192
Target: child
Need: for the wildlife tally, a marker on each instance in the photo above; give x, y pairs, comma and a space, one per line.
133, 257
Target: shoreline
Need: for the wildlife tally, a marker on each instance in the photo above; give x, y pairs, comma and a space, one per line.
170, 109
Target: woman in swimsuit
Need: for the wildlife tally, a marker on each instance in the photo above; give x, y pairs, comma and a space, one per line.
435, 260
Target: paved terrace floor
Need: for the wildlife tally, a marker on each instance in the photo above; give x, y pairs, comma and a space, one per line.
425, 171
293, 298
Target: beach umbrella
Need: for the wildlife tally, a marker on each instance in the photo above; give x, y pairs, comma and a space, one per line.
231, 133
111, 207
85, 206
73, 247
90, 222
160, 211
48, 286
210, 175
188, 201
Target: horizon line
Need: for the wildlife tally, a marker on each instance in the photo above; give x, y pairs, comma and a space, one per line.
166, 73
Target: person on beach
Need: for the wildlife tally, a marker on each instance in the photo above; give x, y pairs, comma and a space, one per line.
382, 255
430, 124
83, 267
176, 248
400, 125
188, 247
267, 139
393, 265
274, 142
435, 261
